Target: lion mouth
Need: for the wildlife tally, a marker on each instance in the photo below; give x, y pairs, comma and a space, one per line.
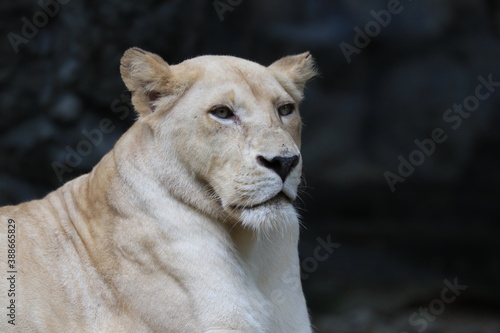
274, 200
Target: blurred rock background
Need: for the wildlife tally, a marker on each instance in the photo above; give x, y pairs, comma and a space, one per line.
393, 249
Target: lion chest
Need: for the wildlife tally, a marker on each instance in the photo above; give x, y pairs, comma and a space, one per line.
194, 277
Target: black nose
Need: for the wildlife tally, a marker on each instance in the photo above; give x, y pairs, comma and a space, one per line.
281, 165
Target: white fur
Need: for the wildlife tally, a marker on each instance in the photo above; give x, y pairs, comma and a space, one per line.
178, 228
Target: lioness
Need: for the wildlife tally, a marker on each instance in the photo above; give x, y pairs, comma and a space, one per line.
187, 225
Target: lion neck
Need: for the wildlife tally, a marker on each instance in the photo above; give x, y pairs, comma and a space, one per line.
123, 185
148, 175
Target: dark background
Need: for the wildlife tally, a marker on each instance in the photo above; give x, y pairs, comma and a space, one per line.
395, 248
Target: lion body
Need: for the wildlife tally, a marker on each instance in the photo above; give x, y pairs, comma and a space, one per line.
158, 237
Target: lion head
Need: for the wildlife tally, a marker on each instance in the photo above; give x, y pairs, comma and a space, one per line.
225, 131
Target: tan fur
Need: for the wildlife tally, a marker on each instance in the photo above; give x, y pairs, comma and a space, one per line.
178, 228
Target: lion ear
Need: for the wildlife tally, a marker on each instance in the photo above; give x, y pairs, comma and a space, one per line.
147, 76
298, 68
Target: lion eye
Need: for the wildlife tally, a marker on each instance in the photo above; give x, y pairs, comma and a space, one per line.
222, 112
286, 109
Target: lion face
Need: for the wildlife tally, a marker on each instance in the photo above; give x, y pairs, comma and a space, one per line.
232, 125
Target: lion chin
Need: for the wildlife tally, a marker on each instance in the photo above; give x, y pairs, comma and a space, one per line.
275, 213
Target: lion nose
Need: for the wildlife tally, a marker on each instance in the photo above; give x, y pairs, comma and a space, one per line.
279, 164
